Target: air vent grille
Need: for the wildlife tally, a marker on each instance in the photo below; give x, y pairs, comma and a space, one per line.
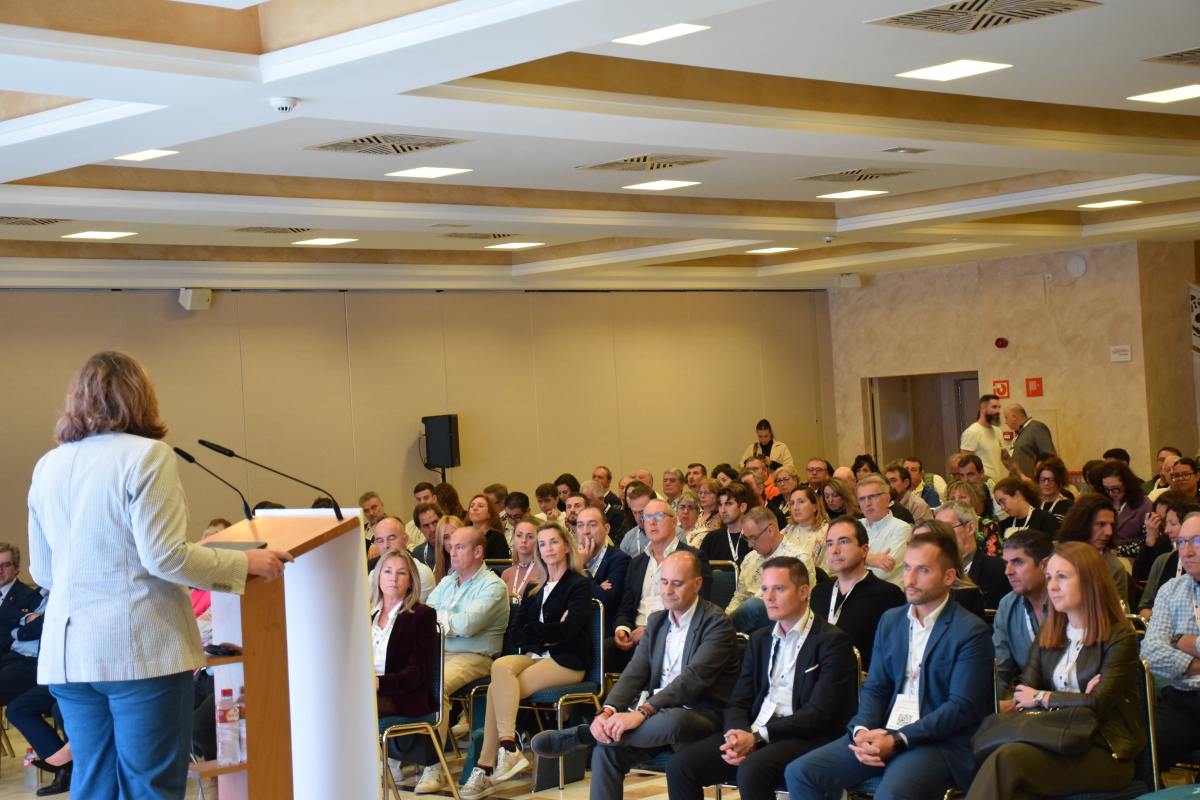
271, 230
649, 163
30, 221
981, 15
1190, 58
385, 144
859, 175
478, 235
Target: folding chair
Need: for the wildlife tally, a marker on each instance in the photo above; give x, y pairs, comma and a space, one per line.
395, 727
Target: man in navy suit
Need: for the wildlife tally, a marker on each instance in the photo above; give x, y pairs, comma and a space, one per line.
606, 564
16, 599
797, 691
929, 687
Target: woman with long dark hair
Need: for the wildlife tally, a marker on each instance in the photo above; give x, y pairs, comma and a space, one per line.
1091, 521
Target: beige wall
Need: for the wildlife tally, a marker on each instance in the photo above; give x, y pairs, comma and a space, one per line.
1060, 329
331, 386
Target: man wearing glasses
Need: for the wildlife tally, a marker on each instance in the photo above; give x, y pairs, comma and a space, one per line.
889, 536
16, 599
1170, 648
1184, 477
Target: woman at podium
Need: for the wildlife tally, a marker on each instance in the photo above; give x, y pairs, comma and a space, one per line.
107, 534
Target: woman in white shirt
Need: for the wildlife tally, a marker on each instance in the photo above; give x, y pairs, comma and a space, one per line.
108, 537
808, 526
554, 644
1085, 656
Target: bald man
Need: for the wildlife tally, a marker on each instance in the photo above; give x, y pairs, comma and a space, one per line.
389, 534
1031, 438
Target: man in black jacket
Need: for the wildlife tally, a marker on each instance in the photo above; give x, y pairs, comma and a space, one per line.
797, 691
673, 690
855, 599
604, 562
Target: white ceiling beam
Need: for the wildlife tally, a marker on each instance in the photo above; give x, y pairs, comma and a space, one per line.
632, 254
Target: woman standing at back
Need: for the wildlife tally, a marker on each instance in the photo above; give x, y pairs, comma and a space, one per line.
107, 536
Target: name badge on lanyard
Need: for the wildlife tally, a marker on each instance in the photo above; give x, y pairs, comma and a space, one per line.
906, 711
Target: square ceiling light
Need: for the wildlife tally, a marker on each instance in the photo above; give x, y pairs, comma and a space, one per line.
660, 186
427, 172
953, 70
661, 34
99, 235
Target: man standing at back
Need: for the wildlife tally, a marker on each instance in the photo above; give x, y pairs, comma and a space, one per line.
1031, 439
983, 438
929, 687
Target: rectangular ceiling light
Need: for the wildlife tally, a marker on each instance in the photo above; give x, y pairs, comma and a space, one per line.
661, 186
319, 242
99, 235
1111, 204
427, 172
850, 195
766, 251
953, 70
514, 245
145, 155
661, 34
1169, 95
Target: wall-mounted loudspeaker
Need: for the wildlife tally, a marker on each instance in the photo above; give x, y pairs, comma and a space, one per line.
441, 441
195, 299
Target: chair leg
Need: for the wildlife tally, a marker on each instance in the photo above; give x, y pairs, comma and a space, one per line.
437, 746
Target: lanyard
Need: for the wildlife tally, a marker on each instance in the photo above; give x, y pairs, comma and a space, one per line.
733, 549
518, 591
786, 665
838, 601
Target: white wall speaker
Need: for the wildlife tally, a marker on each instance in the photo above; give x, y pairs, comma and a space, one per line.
195, 299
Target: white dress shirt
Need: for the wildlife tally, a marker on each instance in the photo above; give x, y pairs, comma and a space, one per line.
781, 669
890, 535
1065, 679
918, 640
651, 600
380, 636
749, 582
677, 632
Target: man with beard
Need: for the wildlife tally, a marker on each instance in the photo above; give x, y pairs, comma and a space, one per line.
982, 437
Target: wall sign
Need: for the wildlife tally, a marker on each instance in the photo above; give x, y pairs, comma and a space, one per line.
1120, 352
1033, 387
1000, 389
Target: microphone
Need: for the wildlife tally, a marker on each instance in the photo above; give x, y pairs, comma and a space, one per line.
191, 459
225, 451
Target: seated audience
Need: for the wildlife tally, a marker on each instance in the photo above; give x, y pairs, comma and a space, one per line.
1051, 476
643, 476
755, 484
389, 534
808, 525
724, 474
748, 608
430, 520
637, 495
1161, 481
889, 536
855, 599
727, 542
1124, 491
818, 470
1091, 520
1174, 507
603, 476
27, 713
758, 466
846, 476
554, 648
422, 494
971, 470
404, 640
929, 686
1021, 612
641, 597
516, 507
900, 484
446, 496
1085, 656
547, 500
1018, 500
1170, 648
483, 516
972, 495
565, 485
964, 590
575, 502
372, 508
787, 480
707, 493
864, 464
929, 486
839, 499
986, 572
497, 495
524, 569
672, 692
1185, 477
672, 485
17, 599
775, 454
597, 497
472, 606
605, 563
797, 690
1117, 455
687, 512
696, 474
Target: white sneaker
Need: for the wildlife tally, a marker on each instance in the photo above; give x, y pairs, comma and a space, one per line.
478, 785
431, 780
460, 730
509, 764
407, 775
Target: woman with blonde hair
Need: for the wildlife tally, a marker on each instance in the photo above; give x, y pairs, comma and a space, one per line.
1085, 656
840, 500
970, 494
809, 522
554, 648
445, 526
687, 507
108, 538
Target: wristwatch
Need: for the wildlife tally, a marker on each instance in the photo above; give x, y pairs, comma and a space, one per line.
1039, 697
898, 742
646, 710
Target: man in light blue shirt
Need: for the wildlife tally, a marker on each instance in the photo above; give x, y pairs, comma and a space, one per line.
1022, 611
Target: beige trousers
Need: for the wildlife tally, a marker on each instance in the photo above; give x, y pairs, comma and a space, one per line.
515, 677
461, 669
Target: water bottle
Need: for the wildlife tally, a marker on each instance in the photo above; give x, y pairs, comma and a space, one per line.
228, 749
241, 708
31, 772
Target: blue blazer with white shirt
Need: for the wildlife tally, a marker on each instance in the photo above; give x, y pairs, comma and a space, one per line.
955, 689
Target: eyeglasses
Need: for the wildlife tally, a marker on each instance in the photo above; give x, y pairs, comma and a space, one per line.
875, 496
1194, 541
814, 470
1181, 476
1113, 489
657, 516
1047, 479
685, 507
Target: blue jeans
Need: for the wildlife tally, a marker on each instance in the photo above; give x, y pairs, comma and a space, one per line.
129, 739
750, 616
916, 774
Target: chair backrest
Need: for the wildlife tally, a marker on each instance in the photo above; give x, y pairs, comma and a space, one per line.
724, 582
595, 673
497, 565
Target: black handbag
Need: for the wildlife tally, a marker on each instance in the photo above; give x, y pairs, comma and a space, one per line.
1067, 731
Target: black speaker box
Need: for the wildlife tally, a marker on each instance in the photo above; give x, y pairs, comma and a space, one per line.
441, 441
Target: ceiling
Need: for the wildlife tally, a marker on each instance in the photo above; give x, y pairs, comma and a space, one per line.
779, 102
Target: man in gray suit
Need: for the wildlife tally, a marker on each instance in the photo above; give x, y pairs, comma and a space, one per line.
1031, 439
671, 694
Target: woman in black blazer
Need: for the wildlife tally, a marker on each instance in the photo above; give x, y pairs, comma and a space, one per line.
1085, 656
554, 648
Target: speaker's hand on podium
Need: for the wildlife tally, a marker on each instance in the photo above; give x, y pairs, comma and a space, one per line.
266, 564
